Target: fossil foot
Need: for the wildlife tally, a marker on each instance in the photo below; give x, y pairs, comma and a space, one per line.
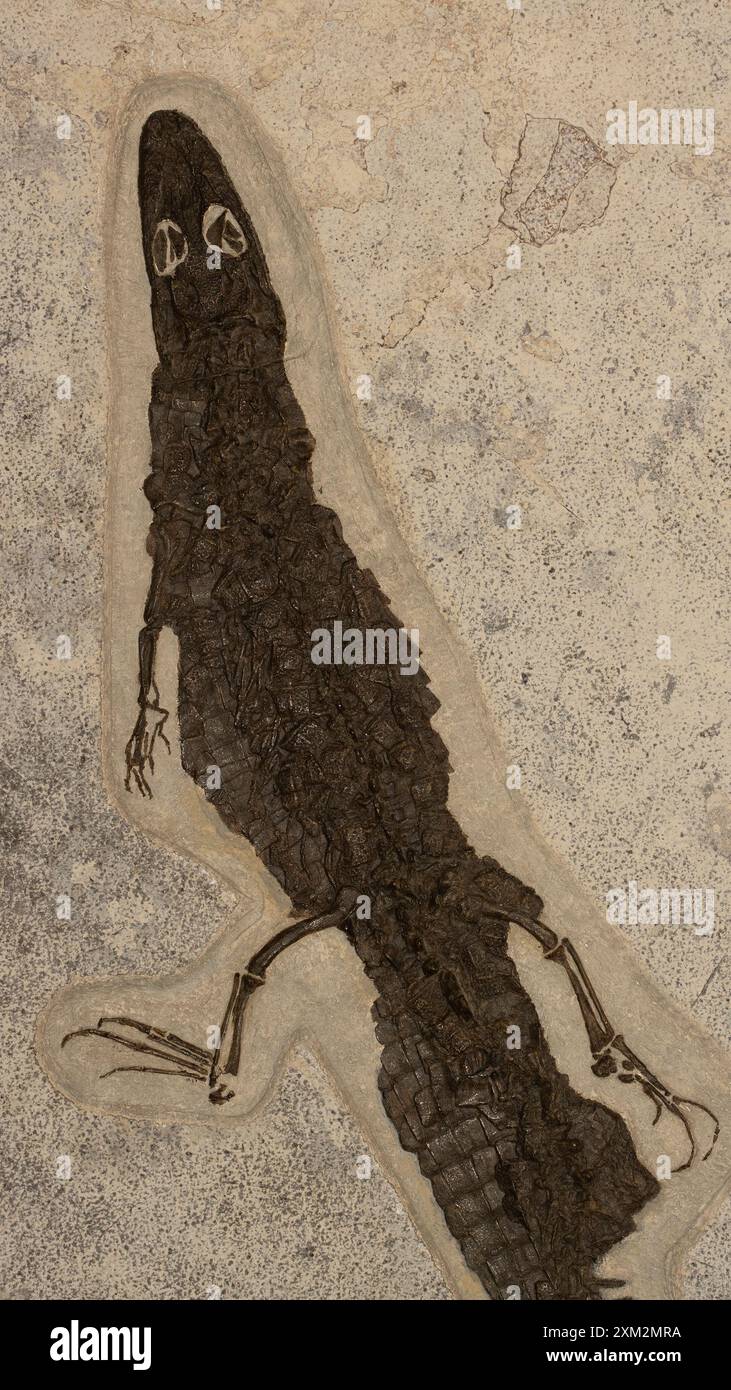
617, 1059
140, 750
186, 1059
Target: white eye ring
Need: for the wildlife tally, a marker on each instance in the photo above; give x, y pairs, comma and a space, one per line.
231, 240
164, 256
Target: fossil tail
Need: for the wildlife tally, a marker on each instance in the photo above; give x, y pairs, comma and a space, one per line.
536, 1183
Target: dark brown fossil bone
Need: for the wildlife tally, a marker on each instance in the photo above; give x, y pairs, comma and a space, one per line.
337, 777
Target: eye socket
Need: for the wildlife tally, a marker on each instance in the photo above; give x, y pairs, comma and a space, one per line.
169, 247
222, 230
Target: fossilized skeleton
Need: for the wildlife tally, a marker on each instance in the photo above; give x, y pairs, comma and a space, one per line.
337, 777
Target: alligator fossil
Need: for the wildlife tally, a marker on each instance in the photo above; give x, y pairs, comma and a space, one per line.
336, 776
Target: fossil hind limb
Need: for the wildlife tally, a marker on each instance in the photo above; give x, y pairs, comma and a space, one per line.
612, 1055
195, 1063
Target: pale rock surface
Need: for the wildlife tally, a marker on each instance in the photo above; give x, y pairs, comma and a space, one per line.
490, 388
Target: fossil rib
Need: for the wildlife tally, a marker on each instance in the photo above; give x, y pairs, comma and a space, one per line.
337, 777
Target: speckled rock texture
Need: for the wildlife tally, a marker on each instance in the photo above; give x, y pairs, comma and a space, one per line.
490, 388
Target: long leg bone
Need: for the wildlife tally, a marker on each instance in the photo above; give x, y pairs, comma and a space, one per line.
253, 978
